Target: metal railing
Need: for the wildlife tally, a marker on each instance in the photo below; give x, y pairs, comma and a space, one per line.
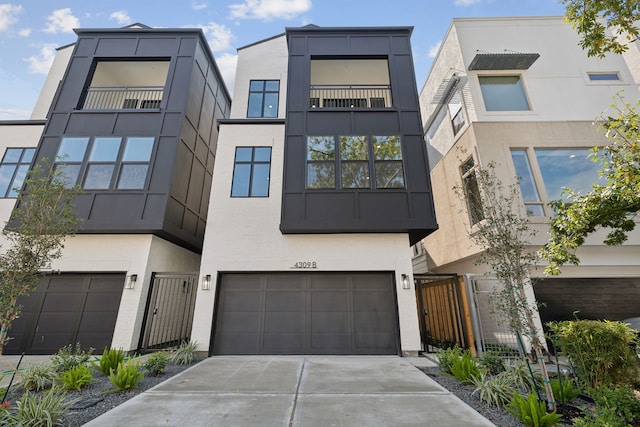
122, 97
350, 96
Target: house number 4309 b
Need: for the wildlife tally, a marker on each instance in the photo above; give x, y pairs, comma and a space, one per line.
305, 264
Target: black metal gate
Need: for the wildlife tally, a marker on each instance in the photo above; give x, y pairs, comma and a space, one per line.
169, 314
445, 320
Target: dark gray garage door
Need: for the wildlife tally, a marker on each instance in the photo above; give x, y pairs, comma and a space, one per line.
306, 313
66, 309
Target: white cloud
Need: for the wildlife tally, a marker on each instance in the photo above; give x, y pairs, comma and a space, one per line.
25, 32
198, 6
40, 64
62, 21
433, 50
121, 16
8, 13
14, 114
227, 63
218, 36
269, 9
465, 2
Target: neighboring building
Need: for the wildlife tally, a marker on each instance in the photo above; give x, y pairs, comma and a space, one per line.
320, 187
521, 92
130, 115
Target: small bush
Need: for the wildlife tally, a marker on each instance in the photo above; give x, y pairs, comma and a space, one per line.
565, 390
621, 400
519, 375
492, 362
37, 377
465, 368
156, 363
494, 390
531, 411
127, 376
601, 352
446, 357
110, 360
185, 353
69, 356
76, 378
44, 409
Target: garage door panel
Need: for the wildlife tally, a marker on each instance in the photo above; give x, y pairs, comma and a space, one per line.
44, 344
329, 321
373, 301
63, 301
66, 284
98, 322
365, 321
95, 340
284, 301
282, 282
326, 282
238, 343
97, 301
52, 322
283, 343
235, 321
370, 282
287, 322
105, 284
329, 301
242, 301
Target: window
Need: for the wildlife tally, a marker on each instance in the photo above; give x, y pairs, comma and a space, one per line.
503, 93
603, 76
104, 163
13, 170
354, 161
321, 165
472, 191
528, 188
251, 172
263, 98
387, 152
456, 112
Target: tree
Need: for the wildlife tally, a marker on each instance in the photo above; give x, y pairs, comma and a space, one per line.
593, 18
44, 216
504, 235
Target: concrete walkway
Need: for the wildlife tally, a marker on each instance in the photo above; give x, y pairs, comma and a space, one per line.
304, 391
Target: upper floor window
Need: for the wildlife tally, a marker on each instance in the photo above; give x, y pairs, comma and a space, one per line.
251, 171
263, 98
471, 190
603, 76
13, 170
360, 160
104, 163
503, 93
544, 174
456, 111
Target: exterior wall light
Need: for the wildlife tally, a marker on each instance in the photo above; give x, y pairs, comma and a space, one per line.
405, 281
131, 283
206, 282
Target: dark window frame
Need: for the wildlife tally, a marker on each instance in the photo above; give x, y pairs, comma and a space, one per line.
264, 92
472, 193
252, 163
20, 164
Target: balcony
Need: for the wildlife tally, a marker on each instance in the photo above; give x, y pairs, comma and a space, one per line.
349, 96
122, 98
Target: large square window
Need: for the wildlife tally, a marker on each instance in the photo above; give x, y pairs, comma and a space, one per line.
263, 98
503, 93
251, 172
562, 169
13, 170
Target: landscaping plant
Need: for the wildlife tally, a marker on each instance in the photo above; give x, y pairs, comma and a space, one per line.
44, 409
156, 363
564, 389
185, 353
110, 360
601, 352
465, 368
494, 390
76, 378
531, 411
519, 374
37, 377
127, 376
69, 356
446, 357
492, 362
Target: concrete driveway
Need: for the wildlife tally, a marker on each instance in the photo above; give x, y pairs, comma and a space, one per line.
304, 391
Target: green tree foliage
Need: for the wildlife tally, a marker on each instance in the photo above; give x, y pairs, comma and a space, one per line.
612, 205
592, 19
43, 218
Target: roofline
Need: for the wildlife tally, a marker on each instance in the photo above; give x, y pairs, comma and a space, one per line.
23, 122
261, 41
313, 29
508, 18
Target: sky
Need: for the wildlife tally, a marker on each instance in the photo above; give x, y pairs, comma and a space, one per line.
31, 30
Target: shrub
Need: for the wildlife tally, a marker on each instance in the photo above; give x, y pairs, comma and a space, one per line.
531, 411
37, 377
69, 356
110, 360
619, 399
156, 363
601, 352
446, 357
564, 390
520, 376
494, 390
127, 376
76, 378
44, 409
492, 362
185, 353
465, 368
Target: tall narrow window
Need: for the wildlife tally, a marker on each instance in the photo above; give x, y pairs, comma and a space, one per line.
387, 153
263, 98
528, 188
13, 170
503, 93
69, 159
472, 191
251, 172
354, 161
321, 162
135, 163
102, 161
456, 112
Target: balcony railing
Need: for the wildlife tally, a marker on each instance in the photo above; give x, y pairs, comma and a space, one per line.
122, 97
350, 96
